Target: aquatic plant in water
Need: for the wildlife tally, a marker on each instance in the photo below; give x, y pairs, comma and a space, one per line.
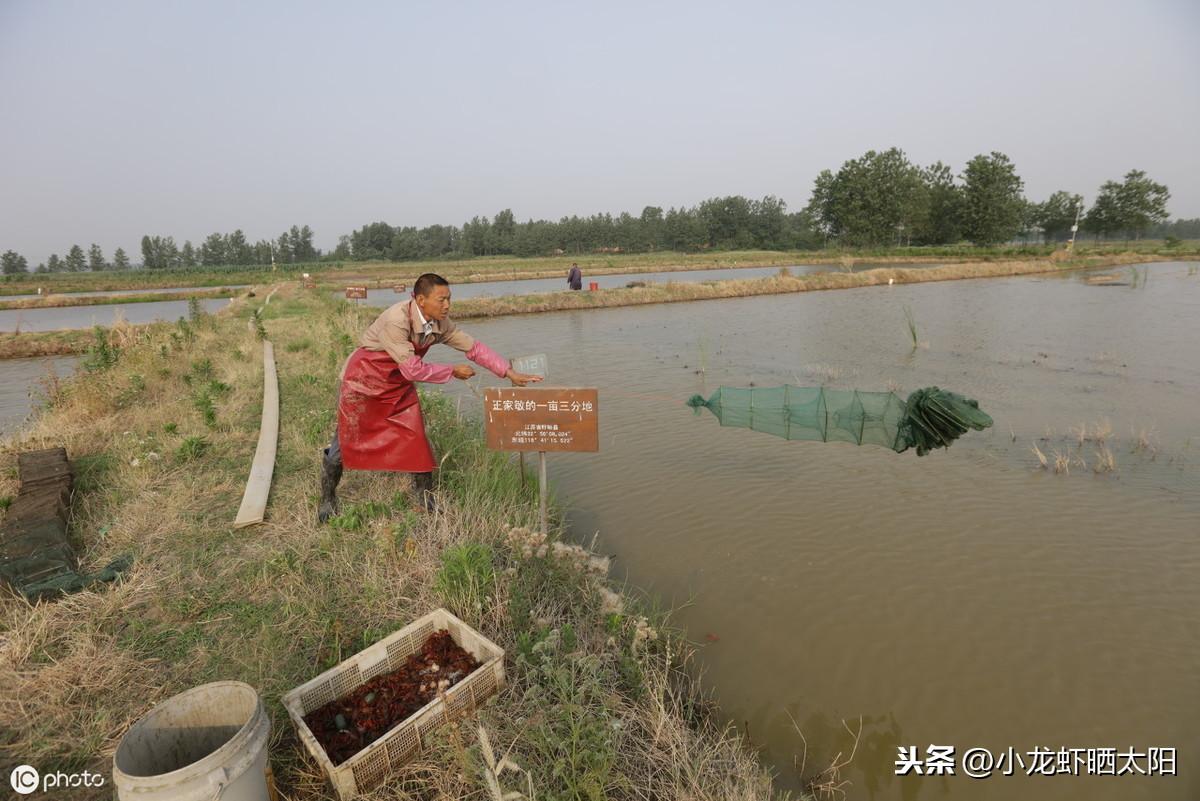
911, 321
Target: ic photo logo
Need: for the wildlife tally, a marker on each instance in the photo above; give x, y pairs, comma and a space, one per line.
24, 779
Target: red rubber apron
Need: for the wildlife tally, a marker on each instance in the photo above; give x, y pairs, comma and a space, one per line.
379, 416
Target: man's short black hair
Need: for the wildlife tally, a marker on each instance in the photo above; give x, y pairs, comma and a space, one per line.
426, 283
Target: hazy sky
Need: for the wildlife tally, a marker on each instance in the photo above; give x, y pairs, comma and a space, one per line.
173, 118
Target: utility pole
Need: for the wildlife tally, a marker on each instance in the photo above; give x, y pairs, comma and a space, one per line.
1075, 227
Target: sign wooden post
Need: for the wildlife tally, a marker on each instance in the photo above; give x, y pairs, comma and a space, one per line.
542, 420
356, 292
542, 492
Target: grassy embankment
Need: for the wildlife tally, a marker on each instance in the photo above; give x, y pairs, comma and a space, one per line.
784, 282
59, 301
598, 702
61, 342
381, 274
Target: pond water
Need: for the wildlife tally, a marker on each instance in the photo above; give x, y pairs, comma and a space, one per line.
110, 293
533, 286
966, 598
65, 317
19, 382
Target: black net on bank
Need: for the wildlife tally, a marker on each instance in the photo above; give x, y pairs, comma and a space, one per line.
930, 418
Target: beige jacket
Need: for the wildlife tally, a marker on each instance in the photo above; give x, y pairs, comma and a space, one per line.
398, 331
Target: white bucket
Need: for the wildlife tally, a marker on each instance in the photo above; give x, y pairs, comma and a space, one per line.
207, 743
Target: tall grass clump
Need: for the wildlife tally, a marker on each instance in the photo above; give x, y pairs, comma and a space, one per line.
910, 322
256, 319
102, 354
469, 472
464, 581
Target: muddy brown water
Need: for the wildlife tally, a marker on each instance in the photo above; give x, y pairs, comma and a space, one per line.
964, 599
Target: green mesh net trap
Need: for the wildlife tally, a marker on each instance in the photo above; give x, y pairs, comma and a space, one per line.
930, 418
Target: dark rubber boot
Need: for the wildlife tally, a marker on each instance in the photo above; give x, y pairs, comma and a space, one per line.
422, 491
331, 474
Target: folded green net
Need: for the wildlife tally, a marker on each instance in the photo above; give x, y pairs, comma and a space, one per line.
930, 418
66, 580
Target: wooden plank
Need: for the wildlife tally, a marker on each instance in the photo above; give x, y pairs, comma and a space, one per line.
258, 486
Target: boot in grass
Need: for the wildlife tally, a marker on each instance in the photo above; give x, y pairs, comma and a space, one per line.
331, 474
422, 491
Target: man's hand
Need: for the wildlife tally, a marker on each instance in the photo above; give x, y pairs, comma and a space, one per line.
463, 371
521, 379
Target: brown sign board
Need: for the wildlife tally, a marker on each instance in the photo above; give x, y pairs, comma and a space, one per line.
400, 289
353, 292
542, 419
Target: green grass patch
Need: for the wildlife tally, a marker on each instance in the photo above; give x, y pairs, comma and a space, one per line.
298, 345
191, 449
465, 580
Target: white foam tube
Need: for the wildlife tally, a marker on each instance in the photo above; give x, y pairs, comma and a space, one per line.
258, 487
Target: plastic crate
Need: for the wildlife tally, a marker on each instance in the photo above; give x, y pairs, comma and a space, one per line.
369, 767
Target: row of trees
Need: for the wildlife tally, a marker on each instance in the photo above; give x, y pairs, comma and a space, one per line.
726, 222
160, 252
883, 198
74, 262
294, 245
878, 199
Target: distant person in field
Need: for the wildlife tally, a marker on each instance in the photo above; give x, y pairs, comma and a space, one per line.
379, 422
575, 277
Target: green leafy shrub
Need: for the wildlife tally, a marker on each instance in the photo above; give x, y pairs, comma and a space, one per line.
102, 354
185, 334
573, 740
204, 404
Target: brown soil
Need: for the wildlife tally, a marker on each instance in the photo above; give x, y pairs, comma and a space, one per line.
374, 708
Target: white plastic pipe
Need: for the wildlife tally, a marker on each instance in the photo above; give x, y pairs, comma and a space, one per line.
258, 487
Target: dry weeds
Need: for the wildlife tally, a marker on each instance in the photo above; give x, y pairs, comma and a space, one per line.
1104, 461
1041, 457
828, 785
